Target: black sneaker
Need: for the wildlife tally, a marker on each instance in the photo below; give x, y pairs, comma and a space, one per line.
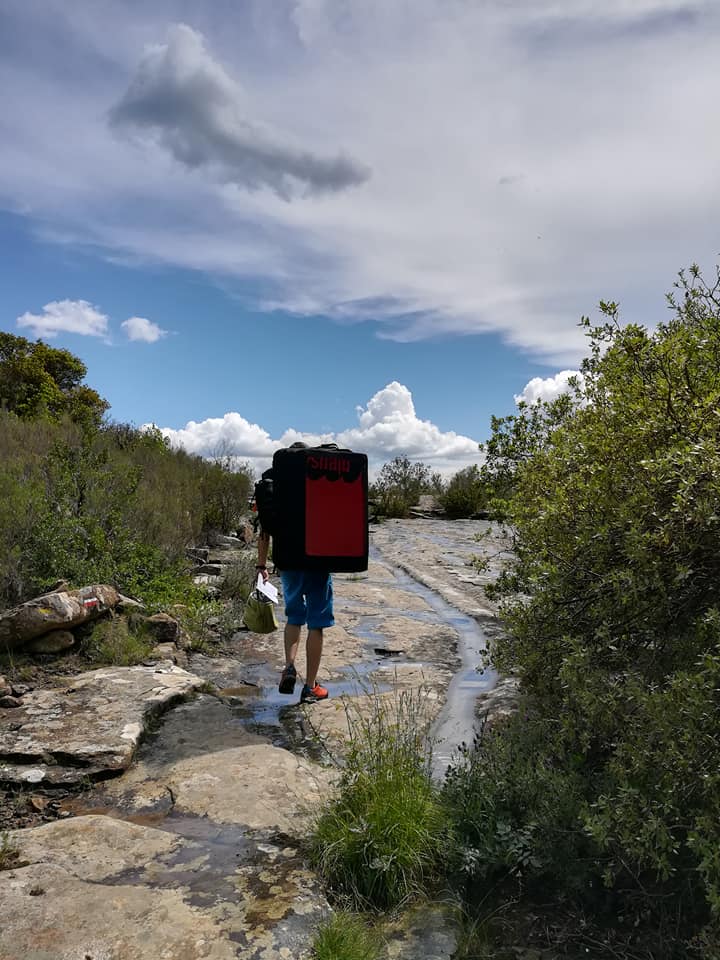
313, 694
287, 679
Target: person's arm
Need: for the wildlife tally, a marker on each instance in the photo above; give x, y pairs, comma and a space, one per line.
263, 550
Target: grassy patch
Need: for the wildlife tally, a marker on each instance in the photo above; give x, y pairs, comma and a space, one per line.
345, 936
9, 853
115, 642
383, 838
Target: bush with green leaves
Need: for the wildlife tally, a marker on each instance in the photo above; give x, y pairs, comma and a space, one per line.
383, 838
465, 494
613, 496
516, 800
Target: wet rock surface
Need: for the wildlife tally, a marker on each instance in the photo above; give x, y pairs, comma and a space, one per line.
88, 727
196, 850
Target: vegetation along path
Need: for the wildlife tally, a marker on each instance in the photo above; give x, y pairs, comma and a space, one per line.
198, 849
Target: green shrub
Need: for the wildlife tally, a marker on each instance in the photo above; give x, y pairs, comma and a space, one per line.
611, 610
464, 495
516, 803
346, 936
383, 839
110, 505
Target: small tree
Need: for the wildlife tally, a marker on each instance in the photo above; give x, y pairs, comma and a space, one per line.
41, 381
399, 486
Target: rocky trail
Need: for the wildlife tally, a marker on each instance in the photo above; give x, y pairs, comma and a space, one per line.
202, 780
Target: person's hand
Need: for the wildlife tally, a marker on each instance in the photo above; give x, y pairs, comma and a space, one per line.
263, 571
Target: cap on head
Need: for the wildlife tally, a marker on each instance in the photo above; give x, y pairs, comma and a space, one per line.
298, 445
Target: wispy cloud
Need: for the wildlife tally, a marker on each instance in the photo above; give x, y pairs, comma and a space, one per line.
66, 316
527, 157
139, 328
183, 96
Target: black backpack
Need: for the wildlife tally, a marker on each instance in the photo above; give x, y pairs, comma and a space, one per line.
265, 503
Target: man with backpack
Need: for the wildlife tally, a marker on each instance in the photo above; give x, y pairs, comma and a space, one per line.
308, 600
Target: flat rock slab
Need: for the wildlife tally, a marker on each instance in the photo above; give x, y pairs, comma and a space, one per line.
101, 888
258, 786
90, 726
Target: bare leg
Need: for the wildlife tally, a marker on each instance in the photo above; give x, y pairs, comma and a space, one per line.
314, 647
292, 641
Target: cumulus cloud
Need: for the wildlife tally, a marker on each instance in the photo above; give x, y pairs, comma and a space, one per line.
549, 388
139, 328
66, 316
199, 113
230, 435
388, 426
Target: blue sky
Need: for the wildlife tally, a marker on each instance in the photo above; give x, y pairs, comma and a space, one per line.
373, 221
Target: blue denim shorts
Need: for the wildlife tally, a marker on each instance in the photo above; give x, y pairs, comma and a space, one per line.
308, 598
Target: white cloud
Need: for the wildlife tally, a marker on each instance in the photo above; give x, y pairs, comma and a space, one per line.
387, 427
138, 328
231, 435
528, 157
199, 114
549, 388
66, 316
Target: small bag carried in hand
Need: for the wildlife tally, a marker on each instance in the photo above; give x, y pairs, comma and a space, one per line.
259, 614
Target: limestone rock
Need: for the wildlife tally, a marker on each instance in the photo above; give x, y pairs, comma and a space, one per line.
128, 604
102, 888
76, 918
199, 554
221, 542
259, 786
212, 569
5, 688
62, 610
88, 727
8, 702
163, 627
54, 642
205, 580
168, 651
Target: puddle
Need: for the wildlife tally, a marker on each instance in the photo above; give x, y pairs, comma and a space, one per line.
277, 717
457, 722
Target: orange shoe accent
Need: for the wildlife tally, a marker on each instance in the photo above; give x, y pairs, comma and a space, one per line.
313, 694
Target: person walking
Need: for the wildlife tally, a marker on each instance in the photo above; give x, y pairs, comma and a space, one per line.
308, 601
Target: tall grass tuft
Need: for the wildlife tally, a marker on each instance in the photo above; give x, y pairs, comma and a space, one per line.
345, 936
383, 838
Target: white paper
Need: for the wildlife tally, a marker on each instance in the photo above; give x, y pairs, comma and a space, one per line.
267, 588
